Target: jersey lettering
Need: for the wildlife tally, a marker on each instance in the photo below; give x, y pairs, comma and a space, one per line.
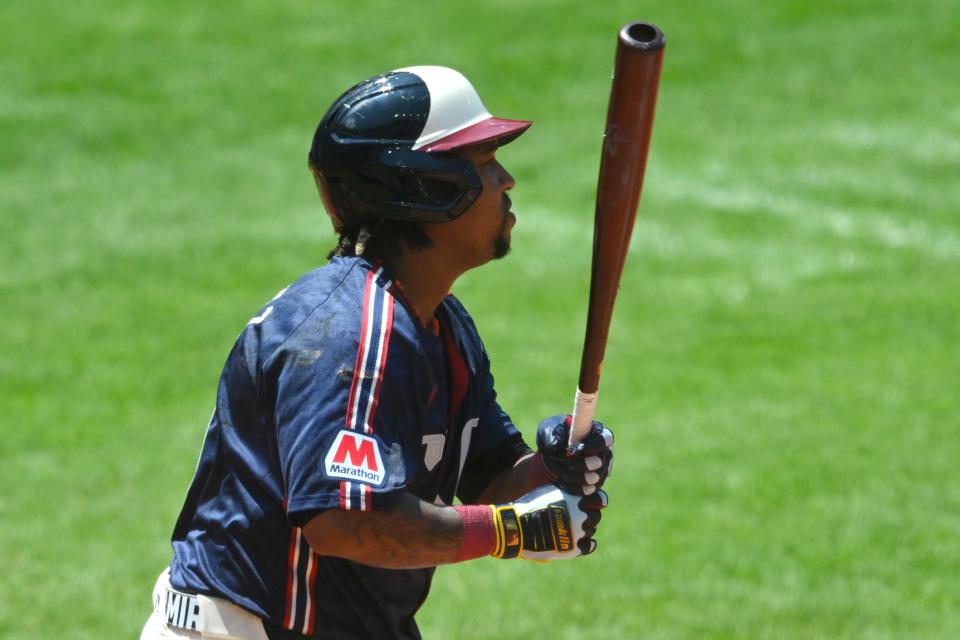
434, 453
465, 443
266, 312
263, 316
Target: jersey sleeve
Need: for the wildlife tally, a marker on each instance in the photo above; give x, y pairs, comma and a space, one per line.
345, 399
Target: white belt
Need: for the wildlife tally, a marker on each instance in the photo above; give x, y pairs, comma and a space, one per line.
207, 615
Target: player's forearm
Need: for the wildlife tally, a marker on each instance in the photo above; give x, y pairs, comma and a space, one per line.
527, 474
414, 534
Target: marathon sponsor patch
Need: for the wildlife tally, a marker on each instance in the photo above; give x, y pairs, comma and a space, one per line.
355, 456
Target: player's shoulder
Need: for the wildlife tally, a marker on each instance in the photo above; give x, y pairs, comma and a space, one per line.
328, 297
344, 276
334, 308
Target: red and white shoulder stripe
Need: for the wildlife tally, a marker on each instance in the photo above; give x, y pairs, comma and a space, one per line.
368, 374
371, 362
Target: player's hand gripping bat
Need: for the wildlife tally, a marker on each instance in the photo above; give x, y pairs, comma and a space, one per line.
636, 78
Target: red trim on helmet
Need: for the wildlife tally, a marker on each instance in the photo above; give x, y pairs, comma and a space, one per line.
499, 129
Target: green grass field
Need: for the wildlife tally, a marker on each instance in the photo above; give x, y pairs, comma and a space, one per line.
784, 361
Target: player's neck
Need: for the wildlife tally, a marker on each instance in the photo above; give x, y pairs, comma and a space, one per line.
425, 281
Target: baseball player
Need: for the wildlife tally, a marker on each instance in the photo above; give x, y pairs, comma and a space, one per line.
358, 404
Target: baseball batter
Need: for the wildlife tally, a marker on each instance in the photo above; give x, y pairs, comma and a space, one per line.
358, 405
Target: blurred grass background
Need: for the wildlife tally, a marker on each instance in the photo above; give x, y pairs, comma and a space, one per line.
784, 362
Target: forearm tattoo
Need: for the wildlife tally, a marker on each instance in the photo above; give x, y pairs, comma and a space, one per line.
414, 534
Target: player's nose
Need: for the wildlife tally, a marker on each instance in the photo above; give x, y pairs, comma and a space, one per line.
507, 181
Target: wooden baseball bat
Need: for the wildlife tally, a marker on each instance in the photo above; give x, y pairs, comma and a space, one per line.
633, 98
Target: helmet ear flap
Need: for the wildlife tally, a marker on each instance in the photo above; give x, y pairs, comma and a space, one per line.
329, 200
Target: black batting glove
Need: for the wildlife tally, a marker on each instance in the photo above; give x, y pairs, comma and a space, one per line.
581, 469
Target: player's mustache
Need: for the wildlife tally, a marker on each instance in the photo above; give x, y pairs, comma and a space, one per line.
507, 203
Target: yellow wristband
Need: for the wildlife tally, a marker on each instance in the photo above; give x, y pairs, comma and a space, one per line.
506, 524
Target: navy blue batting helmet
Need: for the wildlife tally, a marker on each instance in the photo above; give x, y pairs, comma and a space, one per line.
382, 151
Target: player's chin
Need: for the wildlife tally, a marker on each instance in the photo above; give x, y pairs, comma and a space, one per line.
501, 246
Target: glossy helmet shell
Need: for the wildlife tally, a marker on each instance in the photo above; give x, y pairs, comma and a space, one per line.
383, 149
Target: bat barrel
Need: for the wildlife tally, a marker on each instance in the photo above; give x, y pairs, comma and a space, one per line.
626, 139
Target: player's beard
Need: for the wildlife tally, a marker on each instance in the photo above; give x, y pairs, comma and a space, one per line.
501, 246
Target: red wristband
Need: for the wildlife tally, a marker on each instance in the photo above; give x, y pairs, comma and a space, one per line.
479, 535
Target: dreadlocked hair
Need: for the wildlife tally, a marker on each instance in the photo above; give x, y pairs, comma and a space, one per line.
382, 240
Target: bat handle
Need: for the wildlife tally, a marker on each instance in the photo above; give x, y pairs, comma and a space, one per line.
584, 405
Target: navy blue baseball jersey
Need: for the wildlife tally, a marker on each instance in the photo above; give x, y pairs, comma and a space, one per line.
335, 396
